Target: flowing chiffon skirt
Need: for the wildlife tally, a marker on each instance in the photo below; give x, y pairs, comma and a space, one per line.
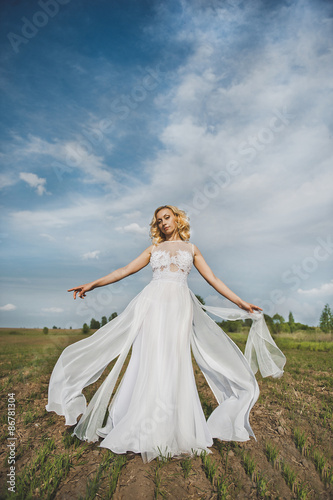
156, 408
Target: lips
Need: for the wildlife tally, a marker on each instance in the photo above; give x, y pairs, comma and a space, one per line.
166, 227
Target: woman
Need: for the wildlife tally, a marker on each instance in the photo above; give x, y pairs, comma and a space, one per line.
156, 408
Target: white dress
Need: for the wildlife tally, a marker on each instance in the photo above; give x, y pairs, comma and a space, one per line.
156, 408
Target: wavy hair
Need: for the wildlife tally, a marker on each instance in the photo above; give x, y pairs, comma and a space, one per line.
182, 222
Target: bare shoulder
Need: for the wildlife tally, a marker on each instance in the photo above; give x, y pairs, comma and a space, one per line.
149, 249
196, 250
145, 254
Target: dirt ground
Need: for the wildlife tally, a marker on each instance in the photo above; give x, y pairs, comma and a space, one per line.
297, 401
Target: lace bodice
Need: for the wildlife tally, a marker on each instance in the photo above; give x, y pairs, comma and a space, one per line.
172, 260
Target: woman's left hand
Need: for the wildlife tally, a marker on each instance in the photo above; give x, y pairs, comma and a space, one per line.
248, 307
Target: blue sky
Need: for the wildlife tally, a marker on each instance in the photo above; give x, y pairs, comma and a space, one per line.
112, 108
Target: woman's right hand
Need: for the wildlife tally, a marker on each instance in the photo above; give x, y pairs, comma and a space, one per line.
81, 290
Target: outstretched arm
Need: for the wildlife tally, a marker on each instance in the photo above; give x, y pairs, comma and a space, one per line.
219, 286
117, 275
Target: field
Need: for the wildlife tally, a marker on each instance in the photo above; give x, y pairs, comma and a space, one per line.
292, 421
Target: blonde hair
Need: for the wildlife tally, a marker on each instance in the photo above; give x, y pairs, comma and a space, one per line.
182, 223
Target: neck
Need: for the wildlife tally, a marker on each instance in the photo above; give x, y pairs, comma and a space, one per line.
173, 237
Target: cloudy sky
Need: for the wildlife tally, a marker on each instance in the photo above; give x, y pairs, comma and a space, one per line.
112, 108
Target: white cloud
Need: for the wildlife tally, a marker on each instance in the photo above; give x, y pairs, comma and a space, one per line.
34, 181
24, 219
8, 307
65, 157
81, 208
7, 180
76, 155
323, 290
133, 228
303, 311
48, 237
91, 255
52, 309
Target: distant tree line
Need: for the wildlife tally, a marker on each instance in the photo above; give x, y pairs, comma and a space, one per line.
326, 319
276, 323
46, 330
95, 324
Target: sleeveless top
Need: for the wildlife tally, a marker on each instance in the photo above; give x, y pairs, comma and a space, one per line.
172, 261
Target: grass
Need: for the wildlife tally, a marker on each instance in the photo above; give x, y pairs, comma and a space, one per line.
272, 453
302, 491
262, 486
30, 417
220, 482
222, 486
165, 457
314, 341
114, 464
207, 406
325, 470
42, 476
209, 466
109, 470
93, 484
186, 466
315, 455
252, 470
69, 440
156, 476
249, 466
289, 475
158, 482
300, 439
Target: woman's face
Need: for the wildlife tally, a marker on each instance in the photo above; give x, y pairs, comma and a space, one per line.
166, 222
